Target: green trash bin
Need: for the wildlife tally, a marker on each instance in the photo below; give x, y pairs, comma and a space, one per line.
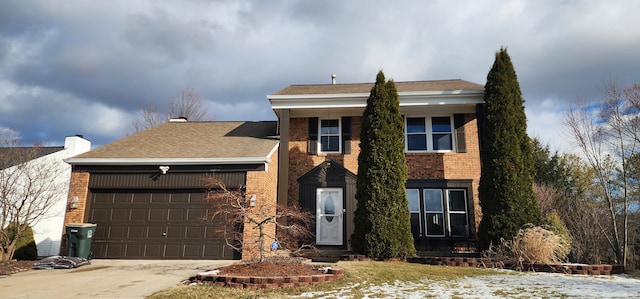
79, 236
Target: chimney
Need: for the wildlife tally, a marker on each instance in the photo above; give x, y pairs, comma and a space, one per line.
333, 79
180, 119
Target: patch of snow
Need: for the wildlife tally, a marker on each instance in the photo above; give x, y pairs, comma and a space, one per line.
212, 272
510, 284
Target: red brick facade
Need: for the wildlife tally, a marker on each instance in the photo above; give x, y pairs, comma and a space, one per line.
448, 165
79, 187
264, 185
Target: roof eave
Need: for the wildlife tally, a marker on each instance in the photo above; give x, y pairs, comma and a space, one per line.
167, 161
359, 100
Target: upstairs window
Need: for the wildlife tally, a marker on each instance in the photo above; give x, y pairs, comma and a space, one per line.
428, 134
329, 135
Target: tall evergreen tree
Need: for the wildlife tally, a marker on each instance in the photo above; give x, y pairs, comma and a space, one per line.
382, 219
506, 184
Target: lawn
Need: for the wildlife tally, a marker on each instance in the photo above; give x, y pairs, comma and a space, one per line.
358, 275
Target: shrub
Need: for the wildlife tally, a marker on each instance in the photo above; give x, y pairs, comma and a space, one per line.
556, 225
534, 244
26, 248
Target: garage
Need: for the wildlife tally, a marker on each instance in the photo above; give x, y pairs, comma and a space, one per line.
146, 192
137, 224
141, 215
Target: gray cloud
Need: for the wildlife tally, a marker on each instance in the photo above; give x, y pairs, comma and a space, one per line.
86, 67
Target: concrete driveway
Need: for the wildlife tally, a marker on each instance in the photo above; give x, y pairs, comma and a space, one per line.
104, 279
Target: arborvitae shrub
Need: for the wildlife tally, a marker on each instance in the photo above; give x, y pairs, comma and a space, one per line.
26, 248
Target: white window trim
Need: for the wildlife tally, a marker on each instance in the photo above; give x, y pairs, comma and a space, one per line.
429, 134
339, 119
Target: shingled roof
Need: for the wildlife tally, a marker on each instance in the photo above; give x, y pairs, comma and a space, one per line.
410, 86
198, 142
12, 156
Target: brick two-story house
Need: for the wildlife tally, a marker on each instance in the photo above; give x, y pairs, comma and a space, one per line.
319, 145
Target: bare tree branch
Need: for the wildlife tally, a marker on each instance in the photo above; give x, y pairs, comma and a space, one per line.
29, 187
187, 103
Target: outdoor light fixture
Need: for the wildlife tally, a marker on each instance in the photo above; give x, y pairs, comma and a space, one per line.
73, 204
252, 201
164, 169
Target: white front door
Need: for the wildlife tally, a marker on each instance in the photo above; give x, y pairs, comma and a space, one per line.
329, 216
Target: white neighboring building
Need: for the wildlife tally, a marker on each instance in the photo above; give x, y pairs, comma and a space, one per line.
48, 231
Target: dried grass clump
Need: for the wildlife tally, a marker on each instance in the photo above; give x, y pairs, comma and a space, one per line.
536, 245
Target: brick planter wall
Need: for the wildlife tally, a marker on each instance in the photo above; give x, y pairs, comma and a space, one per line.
260, 282
494, 263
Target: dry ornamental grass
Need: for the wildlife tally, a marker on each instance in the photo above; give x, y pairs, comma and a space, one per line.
536, 245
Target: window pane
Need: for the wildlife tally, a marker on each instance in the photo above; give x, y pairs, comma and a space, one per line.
415, 225
330, 143
413, 196
416, 125
433, 200
458, 225
417, 142
329, 126
457, 201
442, 142
441, 124
435, 224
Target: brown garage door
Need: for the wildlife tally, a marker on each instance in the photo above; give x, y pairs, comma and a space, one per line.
154, 225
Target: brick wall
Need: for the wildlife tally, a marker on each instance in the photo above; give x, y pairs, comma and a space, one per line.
419, 165
78, 187
467, 165
300, 162
264, 185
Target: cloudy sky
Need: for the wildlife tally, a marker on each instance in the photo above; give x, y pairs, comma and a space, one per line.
85, 67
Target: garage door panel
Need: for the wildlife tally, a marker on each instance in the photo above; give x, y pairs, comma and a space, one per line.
179, 198
172, 250
138, 214
134, 250
136, 232
194, 232
143, 225
143, 198
119, 214
160, 198
192, 251
100, 214
153, 250
103, 198
155, 232
176, 232
195, 214
122, 197
114, 250
116, 232
158, 214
